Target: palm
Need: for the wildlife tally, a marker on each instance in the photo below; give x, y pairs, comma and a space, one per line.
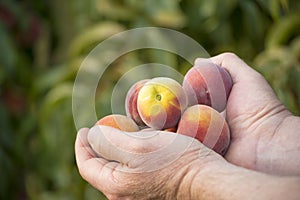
143, 162
253, 113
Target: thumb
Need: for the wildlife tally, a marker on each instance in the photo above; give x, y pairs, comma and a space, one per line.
237, 68
250, 85
251, 96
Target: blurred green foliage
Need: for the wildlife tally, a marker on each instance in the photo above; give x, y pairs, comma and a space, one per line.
44, 42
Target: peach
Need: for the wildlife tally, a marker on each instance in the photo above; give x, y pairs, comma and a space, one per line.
147, 129
131, 102
120, 122
161, 102
206, 125
172, 129
207, 83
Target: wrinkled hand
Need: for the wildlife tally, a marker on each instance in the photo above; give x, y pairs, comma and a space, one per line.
141, 165
256, 118
163, 165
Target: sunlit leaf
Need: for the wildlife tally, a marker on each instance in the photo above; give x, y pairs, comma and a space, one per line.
54, 76
169, 19
283, 30
275, 62
115, 11
93, 36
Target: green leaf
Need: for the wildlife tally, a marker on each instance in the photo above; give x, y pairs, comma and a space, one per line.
164, 13
57, 94
93, 36
283, 30
117, 11
8, 55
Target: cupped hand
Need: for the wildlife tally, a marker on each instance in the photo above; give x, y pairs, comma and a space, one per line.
256, 118
163, 165
141, 165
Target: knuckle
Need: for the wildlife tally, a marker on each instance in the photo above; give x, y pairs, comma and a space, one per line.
230, 55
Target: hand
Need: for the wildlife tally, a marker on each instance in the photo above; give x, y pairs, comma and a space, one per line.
264, 134
152, 167
164, 165
142, 165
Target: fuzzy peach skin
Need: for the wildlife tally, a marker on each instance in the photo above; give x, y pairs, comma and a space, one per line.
172, 129
161, 102
120, 122
209, 84
131, 102
206, 125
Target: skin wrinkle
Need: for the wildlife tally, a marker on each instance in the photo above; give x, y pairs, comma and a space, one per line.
157, 188
136, 193
275, 133
89, 149
82, 146
235, 122
255, 125
181, 181
193, 157
192, 182
186, 172
111, 172
85, 168
259, 119
154, 188
262, 143
204, 174
200, 168
114, 178
91, 152
266, 115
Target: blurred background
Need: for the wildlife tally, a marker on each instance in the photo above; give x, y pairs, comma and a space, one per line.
43, 43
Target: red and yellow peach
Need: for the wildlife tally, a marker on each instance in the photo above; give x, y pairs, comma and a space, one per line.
131, 102
209, 84
206, 125
161, 102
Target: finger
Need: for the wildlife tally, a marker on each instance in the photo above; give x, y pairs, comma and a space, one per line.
95, 170
141, 151
236, 67
88, 165
83, 150
248, 77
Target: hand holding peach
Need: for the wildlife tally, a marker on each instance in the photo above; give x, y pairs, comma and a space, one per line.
255, 146
161, 104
